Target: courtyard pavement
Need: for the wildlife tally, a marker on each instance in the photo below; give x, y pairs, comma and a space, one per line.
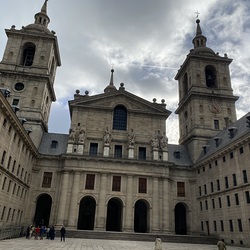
94, 244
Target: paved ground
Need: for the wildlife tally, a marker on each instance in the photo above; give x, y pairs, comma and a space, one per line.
93, 244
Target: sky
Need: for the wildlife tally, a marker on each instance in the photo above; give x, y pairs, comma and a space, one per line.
145, 41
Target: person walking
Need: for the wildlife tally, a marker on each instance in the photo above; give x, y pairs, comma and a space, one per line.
158, 243
221, 245
63, 232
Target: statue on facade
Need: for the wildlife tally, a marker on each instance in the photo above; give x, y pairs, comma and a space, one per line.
164, 142
107, 136
131, 138
155, 141
82, 135
72, 135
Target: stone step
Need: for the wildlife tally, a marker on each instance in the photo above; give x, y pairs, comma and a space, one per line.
85, 234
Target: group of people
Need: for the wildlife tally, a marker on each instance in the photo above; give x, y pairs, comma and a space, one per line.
39, 232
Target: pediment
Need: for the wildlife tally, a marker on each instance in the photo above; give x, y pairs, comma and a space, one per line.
109, 100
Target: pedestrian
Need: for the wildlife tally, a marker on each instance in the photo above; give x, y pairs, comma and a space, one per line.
52, 233
63, 232
37, 232
42, 232
31, 231
28, 232
221, 245
47, 232
158, 243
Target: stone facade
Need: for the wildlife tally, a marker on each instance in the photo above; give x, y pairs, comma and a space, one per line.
115, 170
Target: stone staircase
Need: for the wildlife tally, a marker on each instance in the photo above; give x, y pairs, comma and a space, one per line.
84, 234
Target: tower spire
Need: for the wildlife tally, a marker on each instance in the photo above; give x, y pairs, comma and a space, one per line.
42, 18
111, 86
199, 40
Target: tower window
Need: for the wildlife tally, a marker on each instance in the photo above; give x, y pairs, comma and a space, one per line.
120, 118
19, 86
216, 124
210, 76
15, 102
47, 179
28, 55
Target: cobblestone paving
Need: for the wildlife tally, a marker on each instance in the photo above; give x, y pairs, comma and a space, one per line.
93, 244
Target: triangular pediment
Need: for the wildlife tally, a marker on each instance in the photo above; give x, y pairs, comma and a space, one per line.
109, 100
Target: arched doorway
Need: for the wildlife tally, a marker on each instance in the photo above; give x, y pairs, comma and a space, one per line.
141, 217
114, 215
43, 209
180, 219
86, 216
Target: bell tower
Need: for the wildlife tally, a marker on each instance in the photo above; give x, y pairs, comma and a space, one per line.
28, 70
206, 100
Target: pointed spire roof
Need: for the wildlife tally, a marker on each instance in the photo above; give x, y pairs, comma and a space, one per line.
111, 86
200, 40
42, 18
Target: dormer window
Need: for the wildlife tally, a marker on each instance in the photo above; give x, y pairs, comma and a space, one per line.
177, 154
54, 144
248, 121
232, 132
217, 141
205, 149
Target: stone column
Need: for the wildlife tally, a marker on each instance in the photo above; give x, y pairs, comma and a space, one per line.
155, 206
72, 219
63, 199
165, 214
101, 209
129, 219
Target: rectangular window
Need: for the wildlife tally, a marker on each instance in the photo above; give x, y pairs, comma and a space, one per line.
15, 102
222, 226
220, 204
213, 204
118, 151
90, 181
240, 225
8, 216
234, 180
247, 197
224, 158
236, 199
143, 185
226, 182
202, 226
13, 167
231, 225
218, 185
212, 187
245, 180
93, 149
8, 189
206, 205
241, 150
205, 189
116, 185
216, 124
200, 190
216, 163
142, 153
3, 213
47, 179
9, 162
181, 189
215, 226
228, 201
231, 155
13, 215
201, 205
3, 157
4, 183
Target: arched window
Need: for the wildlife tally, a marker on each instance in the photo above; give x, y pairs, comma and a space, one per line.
120, 118
28, 54
210, 73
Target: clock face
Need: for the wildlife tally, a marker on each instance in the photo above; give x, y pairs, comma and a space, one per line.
215, 108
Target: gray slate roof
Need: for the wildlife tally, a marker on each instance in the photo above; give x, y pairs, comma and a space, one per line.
45, 145
241, 129
184, 160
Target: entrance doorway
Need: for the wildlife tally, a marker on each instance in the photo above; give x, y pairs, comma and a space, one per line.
141, 217
180, 219
86, 216
114, 215
43, 209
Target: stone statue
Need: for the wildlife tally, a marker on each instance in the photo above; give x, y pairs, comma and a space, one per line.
131, 138
72, 135
81, 136
107, 136
155, 141
164, 142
